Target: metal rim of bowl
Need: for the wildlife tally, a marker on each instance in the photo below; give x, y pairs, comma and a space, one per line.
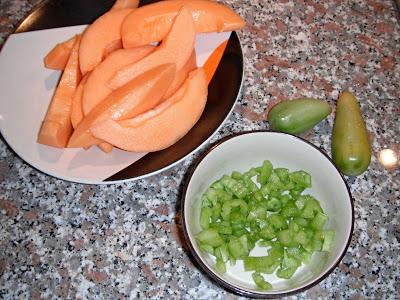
226, 284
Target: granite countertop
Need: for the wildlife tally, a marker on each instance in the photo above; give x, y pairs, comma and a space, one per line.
66, 240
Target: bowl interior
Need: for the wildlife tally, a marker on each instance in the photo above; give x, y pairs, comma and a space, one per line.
249, 150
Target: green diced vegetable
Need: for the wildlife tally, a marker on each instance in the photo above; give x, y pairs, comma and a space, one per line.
238, 214
329, 236
210, 237
205, 217
265, 173
220, 266
260, 281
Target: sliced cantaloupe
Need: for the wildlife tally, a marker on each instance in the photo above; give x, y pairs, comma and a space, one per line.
100, 38
125, 4
76, 106
181, 75
176, 48
96, 88
151, 23
56, 128
105, 147
57, 58
163, 129
136, 97
211, 65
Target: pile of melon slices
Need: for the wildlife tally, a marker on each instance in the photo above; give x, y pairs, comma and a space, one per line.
130, 80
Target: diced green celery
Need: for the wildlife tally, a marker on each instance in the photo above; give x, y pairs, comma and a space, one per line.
277, 221
285, 199
250, 185
236, 175
212, 195
222, 227
229, 205
251, 241
206, 248
276, 251
329, 236
319, 221
317, 241
301, 178
265, 190
290, 261
302, 200
217, 185
237, 187
282, 173
257, 263
267, 233
216, 212
260, 281
211, 237
222, 252
205, 217
265, 173
290, 210
301, 221
293, 227
293, 252
311, 208
251, 173
258, 196
257, 213
205, 202
220, 266
264, 243
305, 256
285, 273
301, 237
296, 192
236, 216
289, 185
286, 239
273, 204
238, 247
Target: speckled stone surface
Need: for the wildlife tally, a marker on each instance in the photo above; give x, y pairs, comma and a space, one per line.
65, 240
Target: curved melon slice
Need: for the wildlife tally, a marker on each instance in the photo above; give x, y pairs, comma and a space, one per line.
101, 37
136, 97
56, 128
181, 75
176, 48
57, 58
151, 23
164, 128
125, 4
76, 106
96, 88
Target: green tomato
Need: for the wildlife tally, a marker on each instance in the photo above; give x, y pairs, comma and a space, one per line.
351, 148
297, 116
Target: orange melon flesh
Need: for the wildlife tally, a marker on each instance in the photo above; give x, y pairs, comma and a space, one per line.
165, 128
96, 88
212, 62
134, 98
58, 57
56, 128
176, 48
181, 75
101, 37
76, 106
151, 23
125, 4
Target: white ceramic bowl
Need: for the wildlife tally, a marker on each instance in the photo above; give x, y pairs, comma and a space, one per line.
243, 151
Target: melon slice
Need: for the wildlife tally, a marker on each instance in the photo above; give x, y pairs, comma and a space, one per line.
166, 127
151, 23
137, 96
125, 4
100, 38
211, 65
76, 106
56, 128
176, 48
181, 75
58, 57
96, 88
